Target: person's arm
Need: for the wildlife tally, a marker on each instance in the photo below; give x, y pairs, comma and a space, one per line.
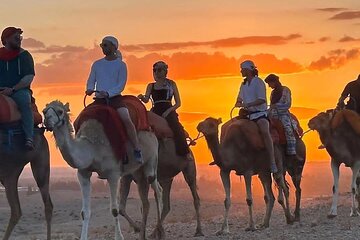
239, 100
90, 84
176, 98
145, 98
121, 81
343, 96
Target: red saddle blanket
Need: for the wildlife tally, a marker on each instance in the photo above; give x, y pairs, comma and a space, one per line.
9, 111
113, 126
251, 131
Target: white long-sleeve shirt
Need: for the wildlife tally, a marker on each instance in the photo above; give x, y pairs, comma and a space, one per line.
109, 76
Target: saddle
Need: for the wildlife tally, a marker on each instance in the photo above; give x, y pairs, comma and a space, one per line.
9, 112
111, 121
251, 130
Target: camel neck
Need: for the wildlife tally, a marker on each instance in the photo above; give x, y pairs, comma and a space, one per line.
325, 135
214, 146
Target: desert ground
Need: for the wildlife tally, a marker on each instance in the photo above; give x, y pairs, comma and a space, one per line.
180, 223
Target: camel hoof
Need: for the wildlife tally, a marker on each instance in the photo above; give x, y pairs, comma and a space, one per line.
262, 226
222, 232
331, 216
297, 219
250, 228
158, 233
290, 220
354, 213
199, 233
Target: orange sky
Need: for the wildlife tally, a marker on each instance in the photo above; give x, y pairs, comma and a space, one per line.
313, 47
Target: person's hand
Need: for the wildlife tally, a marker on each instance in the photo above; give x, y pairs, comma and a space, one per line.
89, 92
6, 91
103, 94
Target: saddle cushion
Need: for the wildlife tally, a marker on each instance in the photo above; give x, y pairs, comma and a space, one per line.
137, 112
350, 116
9, 112
113, 126
278, 132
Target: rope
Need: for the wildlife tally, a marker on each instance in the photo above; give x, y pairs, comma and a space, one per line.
84, 101
192, 142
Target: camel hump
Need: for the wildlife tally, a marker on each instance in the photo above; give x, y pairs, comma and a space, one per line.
244, 127
9, 111
349, 116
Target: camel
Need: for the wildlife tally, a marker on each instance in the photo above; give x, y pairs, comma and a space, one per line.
235, 152
12, 162
170, 164
342, 144
90, 151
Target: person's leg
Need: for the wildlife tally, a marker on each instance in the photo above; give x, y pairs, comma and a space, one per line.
131, 131
265, 132
182, 148
22, 99
289, 135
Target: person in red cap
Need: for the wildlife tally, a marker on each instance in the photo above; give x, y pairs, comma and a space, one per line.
16, 74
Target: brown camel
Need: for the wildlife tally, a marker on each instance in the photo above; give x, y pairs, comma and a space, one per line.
169, 166
342, 144
235, 152
13, 159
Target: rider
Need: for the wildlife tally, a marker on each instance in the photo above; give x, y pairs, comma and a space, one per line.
162, 92
16, 74
252, 96
280, 103
352, 90
108, 76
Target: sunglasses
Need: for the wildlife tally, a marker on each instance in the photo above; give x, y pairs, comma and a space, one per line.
18, 38
104, 45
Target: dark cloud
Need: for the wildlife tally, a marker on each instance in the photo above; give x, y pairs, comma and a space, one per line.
32, 43
59, 49
335, 59
348, 39
324, 39
331, 9
346, 15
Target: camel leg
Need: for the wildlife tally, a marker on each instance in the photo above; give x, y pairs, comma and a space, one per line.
358, 190
296, 178
336, 175
225, 178
158, 193
354, 204
249, 201
113, 181
190, 177
284, 191
11, 184
125, 183
143, 189
85, 185
166, 186
269, 198
41, 173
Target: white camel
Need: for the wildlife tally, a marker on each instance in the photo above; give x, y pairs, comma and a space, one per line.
90, 151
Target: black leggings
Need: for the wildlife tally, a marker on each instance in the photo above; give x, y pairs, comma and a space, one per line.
181, 145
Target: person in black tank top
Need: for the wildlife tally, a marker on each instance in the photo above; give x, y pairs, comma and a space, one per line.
162, 92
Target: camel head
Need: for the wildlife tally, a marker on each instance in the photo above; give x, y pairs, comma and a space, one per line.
321, 121
209, 126
56, 114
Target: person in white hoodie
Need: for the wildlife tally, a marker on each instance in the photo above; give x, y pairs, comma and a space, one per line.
108, 77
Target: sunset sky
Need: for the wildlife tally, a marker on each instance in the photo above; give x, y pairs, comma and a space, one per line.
314, 46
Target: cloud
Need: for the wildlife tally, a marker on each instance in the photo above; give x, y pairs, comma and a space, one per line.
220, 43
59, 49
32, 43
348, 39
304, 113
346, 15
331, 9
335, 59
324, 39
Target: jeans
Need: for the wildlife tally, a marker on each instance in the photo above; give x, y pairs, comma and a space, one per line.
22, 98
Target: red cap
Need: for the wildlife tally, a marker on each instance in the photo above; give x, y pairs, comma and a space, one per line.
8, 32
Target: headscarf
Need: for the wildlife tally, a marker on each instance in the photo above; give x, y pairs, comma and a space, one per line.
114, 42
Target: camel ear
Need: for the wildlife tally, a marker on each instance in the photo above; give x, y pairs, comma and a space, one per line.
67, 107
219, 120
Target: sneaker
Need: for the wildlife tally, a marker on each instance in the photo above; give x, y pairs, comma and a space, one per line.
138, 156
29, 145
